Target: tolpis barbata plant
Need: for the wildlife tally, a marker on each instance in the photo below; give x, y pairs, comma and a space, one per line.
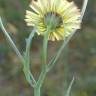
53, 20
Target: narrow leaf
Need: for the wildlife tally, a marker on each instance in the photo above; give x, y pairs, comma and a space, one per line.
69, 88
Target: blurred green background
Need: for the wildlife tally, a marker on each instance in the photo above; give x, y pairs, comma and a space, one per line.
78, 58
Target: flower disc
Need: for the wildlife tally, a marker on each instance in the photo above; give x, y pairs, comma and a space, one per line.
61, 16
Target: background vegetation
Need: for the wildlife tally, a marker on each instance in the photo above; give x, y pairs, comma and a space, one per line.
78, 59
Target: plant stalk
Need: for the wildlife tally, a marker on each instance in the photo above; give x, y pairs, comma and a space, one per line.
11, 41
36, 91
44, 65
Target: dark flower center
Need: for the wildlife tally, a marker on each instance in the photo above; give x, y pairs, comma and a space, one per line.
53, 20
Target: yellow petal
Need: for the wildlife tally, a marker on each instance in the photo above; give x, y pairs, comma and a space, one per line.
35, 7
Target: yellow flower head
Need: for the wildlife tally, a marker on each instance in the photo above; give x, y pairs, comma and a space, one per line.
61, 16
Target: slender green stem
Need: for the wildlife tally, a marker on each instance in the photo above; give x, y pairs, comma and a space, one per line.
25, 60
29, 76
44, 59
45, 41
84, 8
44, 63
65, 42
37, 91
11, 41
55, 58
